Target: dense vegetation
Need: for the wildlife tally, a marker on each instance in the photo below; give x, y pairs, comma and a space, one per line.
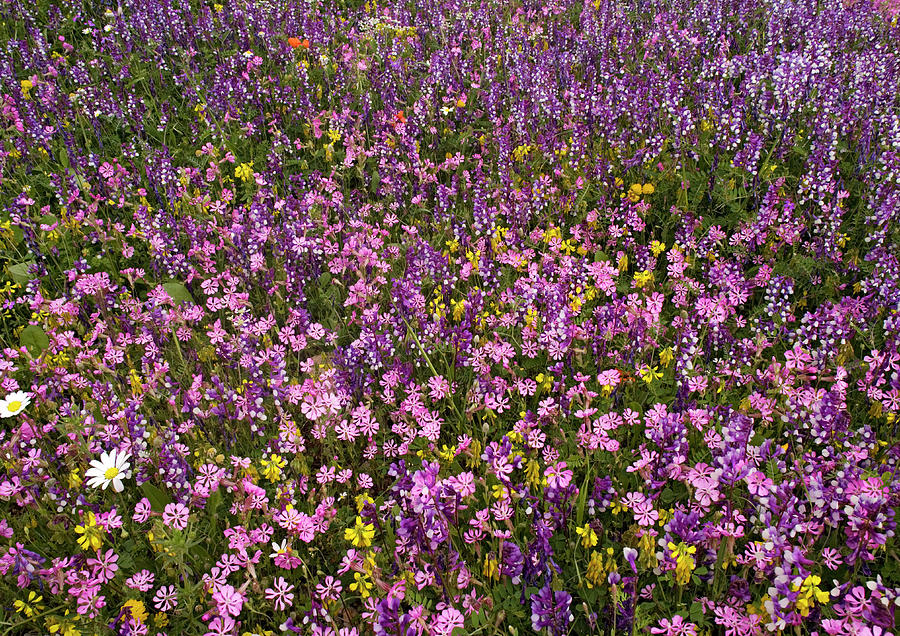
439, 316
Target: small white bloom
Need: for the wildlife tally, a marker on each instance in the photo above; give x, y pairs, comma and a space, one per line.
111, 468
14, 403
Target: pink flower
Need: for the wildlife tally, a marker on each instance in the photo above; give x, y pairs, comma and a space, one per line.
175, 515
281, 593
105, 566
676, 627
220, 626
142, 511
229, 600
166, 598
141, 581
447, 621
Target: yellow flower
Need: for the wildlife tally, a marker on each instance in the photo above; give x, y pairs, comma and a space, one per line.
244, 172
30, 606
361, 584
809, 594
642, 278
666, 356
136, 609
26, 85
533, 472
648, 189
491, 569
272, 467
62, 628
74, 479
657, 248
362, 500
684, 562
361, 534
92, 534
588, 536
649, 374
618, 507
595, 569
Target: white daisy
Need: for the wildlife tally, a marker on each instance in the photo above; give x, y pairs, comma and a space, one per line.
14, 403
111, 468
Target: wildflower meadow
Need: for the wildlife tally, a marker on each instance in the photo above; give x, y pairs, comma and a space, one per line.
451, 317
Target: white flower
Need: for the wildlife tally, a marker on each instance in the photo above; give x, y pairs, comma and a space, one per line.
111, 468
282, 548
14, 403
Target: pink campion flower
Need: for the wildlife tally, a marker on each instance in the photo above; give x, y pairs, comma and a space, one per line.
758, 484
448, 620
105, 566
281, 593
175, 515
221, 626
141, 581
228, 600
609, 378
676, 627
330, 588
706, 492
439, 387
796, 358
644, 513
142, 511
833, 558
558, 476
166, 598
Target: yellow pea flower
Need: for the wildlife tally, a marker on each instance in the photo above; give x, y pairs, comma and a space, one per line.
588, 536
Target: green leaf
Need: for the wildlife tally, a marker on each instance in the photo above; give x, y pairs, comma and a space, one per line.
178, 292
158, 499
696, 612
582, 499
34, 339
19, 272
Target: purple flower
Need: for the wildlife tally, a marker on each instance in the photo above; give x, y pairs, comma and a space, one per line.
550, 610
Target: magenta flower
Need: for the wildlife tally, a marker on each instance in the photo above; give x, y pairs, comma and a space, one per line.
175, 515
228, 599
141, 581
676, 627
166, 598
281, 593
142, 511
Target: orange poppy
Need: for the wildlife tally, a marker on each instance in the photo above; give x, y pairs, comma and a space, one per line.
295, 42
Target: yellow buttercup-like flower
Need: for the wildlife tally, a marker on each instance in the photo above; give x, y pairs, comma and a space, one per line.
91, 533
361, 534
